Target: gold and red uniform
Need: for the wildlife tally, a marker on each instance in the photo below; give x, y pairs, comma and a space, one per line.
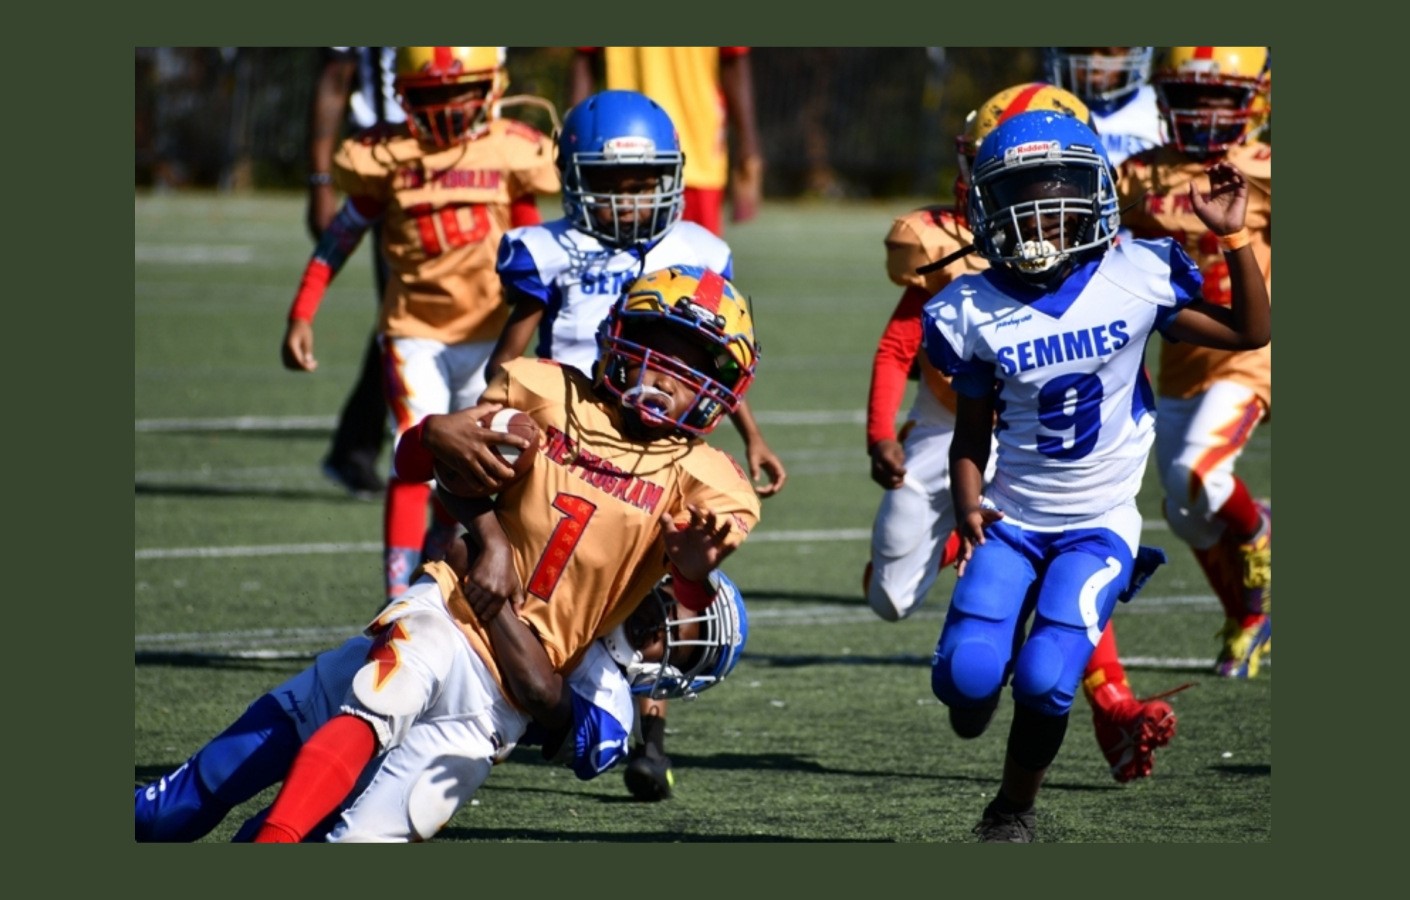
584, 524
443, 213
1158, 181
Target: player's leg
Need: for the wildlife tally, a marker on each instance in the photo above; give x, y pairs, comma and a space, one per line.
1198, 442
415, 648
1089, 568
911, 534
417, 385
648, 774
362, 422
250, 755
705, 206
975, 651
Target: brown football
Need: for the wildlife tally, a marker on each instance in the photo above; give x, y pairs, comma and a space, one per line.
508, 421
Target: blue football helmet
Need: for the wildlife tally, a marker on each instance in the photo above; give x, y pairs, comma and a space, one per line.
1043, 196
695, 302
701, 648
1102, 77
606, 135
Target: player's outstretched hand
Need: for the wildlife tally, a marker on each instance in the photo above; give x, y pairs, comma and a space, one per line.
459, 441
1222, 209
971, 528
697, 547
888, 463
297, 350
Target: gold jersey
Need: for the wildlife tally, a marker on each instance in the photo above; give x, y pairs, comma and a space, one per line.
1155, 184
916, 239
445, 211
585, 522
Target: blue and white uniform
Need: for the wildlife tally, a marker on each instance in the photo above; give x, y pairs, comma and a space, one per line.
577, 278
1074, 426
1131, 127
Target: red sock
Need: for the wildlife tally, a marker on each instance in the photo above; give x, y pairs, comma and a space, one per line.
320, 779
1104, 667
404, 518
1219, 571
1240, 513
951, 551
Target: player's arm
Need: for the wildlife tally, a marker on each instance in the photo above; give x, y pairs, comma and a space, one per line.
747, 165
761, 458
582, 74
891, 363
969, 457
1248, 323
529, 676
327, 109
337, 243
519, 329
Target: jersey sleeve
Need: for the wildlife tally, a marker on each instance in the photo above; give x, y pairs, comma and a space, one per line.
518, 270
946, 352
716, 482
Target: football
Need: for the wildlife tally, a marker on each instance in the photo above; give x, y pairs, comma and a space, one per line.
506, 421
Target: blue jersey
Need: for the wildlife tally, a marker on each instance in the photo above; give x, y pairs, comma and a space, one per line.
1075, 410
577, 279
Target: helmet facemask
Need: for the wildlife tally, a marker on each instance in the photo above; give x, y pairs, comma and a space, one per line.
442, 115
624, 199
1207, 117
718, 386
700, 648
1102, 80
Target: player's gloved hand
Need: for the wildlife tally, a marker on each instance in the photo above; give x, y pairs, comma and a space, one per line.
888, 463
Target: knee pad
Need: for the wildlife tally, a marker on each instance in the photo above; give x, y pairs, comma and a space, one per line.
409, 659
1037, 671
969, 673
1191, 518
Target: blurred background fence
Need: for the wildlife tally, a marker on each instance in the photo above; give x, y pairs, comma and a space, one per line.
835, 121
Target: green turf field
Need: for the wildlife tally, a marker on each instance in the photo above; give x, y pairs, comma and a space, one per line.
247, 560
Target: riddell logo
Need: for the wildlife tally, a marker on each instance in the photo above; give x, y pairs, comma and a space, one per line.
628, 147
1031, 148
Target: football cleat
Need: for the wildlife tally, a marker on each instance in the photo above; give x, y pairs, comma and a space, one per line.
1256, 560
1130, 730
999, 827
1244, 648
648, 775
358, 478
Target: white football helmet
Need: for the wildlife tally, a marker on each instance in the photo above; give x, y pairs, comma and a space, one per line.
701, 648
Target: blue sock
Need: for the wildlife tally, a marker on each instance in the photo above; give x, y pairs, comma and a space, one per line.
244, 759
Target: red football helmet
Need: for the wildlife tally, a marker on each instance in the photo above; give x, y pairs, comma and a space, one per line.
1212, 98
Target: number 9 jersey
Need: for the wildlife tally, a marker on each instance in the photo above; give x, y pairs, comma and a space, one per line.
1075, 407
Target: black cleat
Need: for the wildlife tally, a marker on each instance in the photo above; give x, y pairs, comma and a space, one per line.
360, 479
648, 774
1006, 828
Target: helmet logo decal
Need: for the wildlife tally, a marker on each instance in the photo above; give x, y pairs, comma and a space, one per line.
1013, 153
629, 147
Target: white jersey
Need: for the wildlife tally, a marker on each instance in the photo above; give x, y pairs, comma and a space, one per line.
1134, 127
577, 279
1076, 412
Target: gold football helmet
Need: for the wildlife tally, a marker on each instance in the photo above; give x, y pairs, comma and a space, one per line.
689, 300
1212, 98
449, 93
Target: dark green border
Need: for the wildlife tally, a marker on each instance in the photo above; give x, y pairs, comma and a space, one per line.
99, 647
